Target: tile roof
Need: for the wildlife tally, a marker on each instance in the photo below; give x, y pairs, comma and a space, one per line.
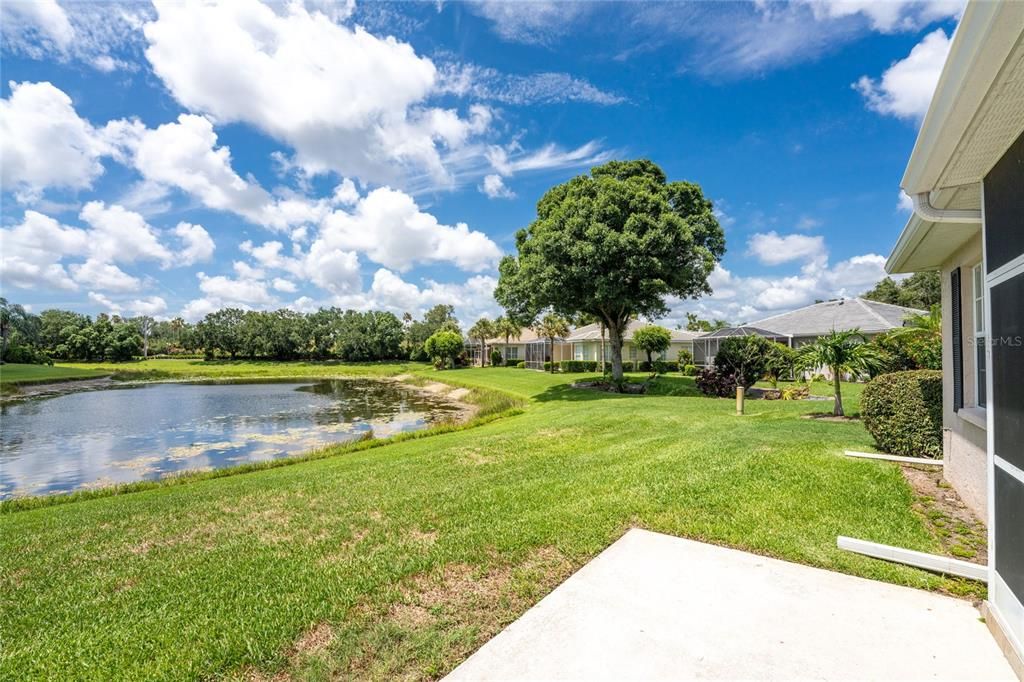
848, 313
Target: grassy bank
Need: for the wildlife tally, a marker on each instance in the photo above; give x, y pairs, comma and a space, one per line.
13, 374
242, 369
400, 560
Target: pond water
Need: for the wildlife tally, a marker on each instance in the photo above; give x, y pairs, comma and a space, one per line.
98, 438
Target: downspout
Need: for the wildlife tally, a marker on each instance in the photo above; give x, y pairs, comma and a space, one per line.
925, 211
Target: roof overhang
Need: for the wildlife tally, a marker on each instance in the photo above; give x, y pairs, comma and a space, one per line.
955, 145
976, 113
925, 245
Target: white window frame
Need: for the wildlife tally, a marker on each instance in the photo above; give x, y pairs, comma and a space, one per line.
513, 353
577, 351
980, 333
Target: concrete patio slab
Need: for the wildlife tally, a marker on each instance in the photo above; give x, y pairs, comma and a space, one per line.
653, 606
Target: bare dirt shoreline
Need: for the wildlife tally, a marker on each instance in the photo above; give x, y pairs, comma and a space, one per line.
56, 388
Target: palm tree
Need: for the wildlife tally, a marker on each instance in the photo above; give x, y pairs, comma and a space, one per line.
504, 326
841, 352
927, 326
481, 331
552, 327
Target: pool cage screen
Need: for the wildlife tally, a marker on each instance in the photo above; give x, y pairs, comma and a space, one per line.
537, 353
705, 348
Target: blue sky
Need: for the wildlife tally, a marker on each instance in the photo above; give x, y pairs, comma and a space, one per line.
178, 158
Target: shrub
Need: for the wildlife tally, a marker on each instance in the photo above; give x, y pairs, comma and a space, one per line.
547, 366
496, 359
628, 366
685, 357
780, 362
521, 364
743, 357
665, 366
796, 393
689, 370
578, 365
716, 383
903, 412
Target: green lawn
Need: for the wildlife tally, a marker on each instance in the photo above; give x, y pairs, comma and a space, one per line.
12, 374
400, 560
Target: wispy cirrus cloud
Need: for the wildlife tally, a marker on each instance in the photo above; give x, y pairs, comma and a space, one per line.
484, 83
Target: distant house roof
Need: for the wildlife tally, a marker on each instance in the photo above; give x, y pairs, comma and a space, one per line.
745, 330
592, 332
848, 313
526, 335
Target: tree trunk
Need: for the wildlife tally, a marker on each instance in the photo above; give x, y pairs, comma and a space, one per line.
615, 336
837, 410
483, 352
603, 359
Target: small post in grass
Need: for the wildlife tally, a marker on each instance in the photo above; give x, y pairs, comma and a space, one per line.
739, 400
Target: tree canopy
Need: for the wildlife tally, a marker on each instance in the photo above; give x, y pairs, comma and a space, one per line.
443, 347
921, 290
613, 244
652, 339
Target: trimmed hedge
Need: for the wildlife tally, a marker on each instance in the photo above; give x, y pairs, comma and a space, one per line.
577, 366
689, 370
521, 364
903, 412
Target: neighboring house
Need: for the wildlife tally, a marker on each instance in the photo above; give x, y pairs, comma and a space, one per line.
529, 348
705, 347
806, 324
803, 325
966, 180
585, 344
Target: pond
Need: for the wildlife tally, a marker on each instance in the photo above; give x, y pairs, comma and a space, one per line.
143, 432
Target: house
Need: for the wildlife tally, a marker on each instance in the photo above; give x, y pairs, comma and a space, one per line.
965, 178
585, 343
529, 348
803, 325
705, 347
806, 324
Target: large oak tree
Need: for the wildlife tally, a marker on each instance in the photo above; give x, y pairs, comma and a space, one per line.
613, 244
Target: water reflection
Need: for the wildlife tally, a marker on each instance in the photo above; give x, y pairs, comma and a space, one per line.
98, 438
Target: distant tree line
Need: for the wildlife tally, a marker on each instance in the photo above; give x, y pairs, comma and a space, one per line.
232, 333
921, 290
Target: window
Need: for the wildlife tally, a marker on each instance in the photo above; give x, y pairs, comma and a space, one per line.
632, 353
513, 353
577, 351
979, 333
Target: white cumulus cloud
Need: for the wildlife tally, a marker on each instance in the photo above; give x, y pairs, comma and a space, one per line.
905, 89
771, 248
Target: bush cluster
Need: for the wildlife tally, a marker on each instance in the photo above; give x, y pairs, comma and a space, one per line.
716, 383
521, 364
689, 370
903, 412
576, 366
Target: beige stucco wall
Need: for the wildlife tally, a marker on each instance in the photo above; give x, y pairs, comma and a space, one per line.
591, 350
964, 440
